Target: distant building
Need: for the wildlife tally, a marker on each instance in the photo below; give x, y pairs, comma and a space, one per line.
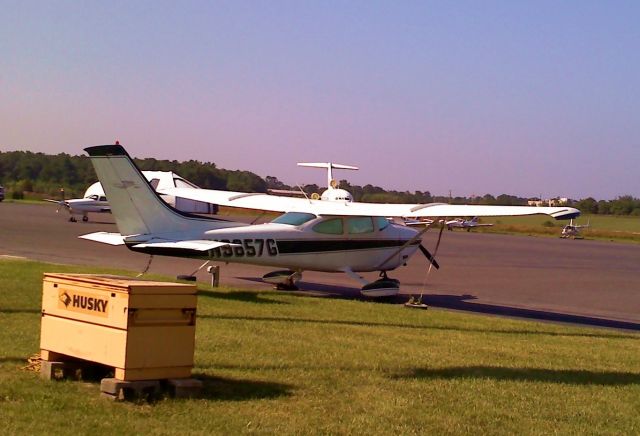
556, 201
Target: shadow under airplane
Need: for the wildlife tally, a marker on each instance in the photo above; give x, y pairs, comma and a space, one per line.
462, 302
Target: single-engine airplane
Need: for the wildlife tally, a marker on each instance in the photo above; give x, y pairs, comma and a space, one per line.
461, 223
316, 235
94, 201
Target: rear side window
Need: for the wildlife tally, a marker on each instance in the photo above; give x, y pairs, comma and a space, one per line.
360, 224
331, 226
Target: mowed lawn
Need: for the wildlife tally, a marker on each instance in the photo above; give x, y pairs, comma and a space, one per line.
275, 362
605, 227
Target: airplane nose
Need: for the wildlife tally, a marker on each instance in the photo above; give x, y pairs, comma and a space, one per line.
407, 232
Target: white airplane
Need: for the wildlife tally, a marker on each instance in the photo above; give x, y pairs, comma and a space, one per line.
573, 230
95, 200
333, 192
316, 235
460, 223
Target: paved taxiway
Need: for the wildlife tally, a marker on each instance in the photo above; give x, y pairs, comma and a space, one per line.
590, 282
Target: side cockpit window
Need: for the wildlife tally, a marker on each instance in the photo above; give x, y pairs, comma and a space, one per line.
331, 226
359, 225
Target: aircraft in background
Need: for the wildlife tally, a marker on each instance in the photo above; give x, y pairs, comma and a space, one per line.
573, 230
95, 200
461, 223
333, 191
315, 235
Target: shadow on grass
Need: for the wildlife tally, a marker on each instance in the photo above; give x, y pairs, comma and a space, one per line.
339, 322
563, 376
11, 359
226, 389
320, 290
244, 296
20, 310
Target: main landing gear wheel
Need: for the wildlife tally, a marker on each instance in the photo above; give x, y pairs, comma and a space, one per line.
85, 218
383, 287
72, 220
284, 280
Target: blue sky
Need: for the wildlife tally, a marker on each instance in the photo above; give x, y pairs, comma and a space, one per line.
526, 98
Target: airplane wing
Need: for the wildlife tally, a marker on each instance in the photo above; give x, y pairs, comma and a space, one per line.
275, 203
58, 202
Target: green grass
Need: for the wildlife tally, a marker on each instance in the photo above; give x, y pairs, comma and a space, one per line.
274, 362
605, 227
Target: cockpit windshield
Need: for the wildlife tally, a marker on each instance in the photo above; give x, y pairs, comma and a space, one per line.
294, 218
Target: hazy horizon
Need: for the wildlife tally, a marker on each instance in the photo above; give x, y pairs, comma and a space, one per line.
521, 98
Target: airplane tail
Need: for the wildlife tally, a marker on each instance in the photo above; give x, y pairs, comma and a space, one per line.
136, 207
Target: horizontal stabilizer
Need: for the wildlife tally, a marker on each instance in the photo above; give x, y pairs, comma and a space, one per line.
197, 244
104, 237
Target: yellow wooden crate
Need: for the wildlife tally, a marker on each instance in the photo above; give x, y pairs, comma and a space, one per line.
144, 329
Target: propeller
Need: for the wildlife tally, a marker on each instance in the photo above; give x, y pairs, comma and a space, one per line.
429, 256
432, 259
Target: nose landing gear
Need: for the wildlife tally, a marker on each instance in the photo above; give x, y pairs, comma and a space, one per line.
383, 287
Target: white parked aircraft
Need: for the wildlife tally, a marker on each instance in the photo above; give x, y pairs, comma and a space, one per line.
95, 200
573, 230
317, 235
333, 192
460, 223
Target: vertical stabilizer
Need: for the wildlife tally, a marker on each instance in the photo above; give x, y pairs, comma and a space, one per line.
136, 207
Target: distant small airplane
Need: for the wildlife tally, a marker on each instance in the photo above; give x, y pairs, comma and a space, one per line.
573, 230
416, 222
95, 201
460, 223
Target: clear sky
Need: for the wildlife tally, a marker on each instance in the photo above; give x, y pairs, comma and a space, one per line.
518, 97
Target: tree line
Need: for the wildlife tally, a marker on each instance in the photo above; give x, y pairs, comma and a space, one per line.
25, 171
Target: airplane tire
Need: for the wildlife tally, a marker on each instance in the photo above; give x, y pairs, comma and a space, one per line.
85, 218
